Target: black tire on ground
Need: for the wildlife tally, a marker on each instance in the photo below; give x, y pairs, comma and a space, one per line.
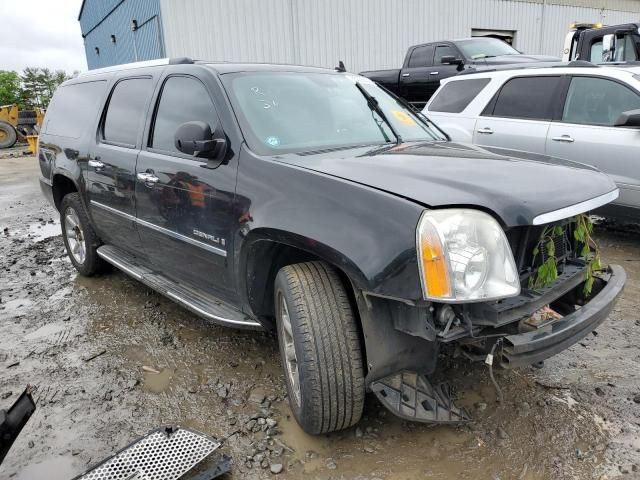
8, 135
326, 340
92, 263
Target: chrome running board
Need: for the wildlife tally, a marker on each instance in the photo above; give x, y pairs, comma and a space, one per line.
197, 301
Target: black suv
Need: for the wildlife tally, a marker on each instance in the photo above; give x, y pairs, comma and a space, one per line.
313, 202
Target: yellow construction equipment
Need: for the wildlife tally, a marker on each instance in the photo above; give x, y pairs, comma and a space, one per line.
23, 125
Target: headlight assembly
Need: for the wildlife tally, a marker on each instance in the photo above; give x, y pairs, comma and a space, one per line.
464, 256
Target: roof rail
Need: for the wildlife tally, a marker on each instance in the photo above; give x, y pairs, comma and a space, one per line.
526, 66
580, 63
148, 63
180, 61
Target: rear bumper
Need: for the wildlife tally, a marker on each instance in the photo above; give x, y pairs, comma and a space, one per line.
531, 347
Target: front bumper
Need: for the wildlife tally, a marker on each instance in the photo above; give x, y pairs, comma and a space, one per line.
531, 347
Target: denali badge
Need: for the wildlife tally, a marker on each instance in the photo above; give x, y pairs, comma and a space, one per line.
211, 238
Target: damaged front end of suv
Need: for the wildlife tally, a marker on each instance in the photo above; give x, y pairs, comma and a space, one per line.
508, 296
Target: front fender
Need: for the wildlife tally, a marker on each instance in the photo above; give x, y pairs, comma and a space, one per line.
367, 233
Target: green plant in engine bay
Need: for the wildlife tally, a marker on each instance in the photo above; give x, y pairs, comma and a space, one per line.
582, 233
547, 273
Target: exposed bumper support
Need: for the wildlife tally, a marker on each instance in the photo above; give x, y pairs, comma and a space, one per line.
413, 397
531, 347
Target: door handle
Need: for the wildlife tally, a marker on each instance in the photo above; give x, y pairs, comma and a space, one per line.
485, 130
97, 164
434, 73
563, 138
149, 179
406, 74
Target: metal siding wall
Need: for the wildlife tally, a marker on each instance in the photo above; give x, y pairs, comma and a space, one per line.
148, 40
365, 34
94, 11
238, 30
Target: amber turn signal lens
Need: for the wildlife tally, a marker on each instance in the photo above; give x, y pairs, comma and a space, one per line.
434, 264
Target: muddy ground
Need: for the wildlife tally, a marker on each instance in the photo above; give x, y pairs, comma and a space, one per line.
82, 344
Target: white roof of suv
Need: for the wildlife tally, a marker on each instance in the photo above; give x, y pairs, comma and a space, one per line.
498, 77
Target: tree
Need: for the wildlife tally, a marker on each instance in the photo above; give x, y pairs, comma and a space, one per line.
39, 84
9, 87
34, 88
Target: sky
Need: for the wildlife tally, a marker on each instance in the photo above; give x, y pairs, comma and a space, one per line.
41, 33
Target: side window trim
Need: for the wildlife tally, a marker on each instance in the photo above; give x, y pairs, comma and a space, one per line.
489, 109
560, 97
105, 109
148, 145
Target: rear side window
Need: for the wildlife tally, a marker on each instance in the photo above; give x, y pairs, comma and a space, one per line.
528, 98
123, 119
183, 99
421, 57
455, 96
73, 108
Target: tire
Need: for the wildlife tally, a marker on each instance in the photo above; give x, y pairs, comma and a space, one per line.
8, 135
326, 342
86, 241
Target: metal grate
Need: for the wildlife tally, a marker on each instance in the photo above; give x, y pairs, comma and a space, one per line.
562, 247
165, 454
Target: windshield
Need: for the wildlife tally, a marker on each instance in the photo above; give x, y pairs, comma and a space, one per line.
283, 112
478, 48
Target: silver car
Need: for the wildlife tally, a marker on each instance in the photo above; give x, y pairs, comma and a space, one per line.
587, 114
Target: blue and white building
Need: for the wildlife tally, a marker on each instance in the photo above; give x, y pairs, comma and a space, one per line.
365, 34
121, 31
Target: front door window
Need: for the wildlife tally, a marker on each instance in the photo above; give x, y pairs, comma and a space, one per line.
597, 101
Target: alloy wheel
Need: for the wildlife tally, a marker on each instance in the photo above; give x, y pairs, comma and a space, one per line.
75, 236
291, 360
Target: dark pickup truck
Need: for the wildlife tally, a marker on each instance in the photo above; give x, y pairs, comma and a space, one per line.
425, 65
315, 203
610, 44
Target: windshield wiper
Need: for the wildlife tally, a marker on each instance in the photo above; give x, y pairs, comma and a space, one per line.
373, 104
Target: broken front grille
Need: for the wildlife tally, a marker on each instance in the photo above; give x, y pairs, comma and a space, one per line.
524, 240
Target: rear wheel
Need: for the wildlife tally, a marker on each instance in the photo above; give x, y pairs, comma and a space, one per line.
8, 135
320, 347
79, 237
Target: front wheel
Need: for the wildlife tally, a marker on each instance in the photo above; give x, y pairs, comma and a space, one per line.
320, 347
79, 237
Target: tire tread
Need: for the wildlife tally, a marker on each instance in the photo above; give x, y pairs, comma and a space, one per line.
330, 342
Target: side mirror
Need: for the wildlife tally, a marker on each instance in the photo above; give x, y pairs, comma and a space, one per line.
451, 60
609, 48
630, 118
196, 138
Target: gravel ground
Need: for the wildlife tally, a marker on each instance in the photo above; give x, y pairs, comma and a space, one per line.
110, 360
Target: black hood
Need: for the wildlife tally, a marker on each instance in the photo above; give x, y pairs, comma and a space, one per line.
516, 186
